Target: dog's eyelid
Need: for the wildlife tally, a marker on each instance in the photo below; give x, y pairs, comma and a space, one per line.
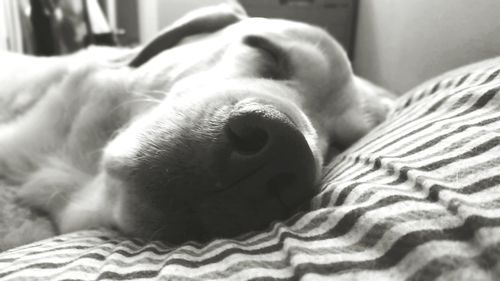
265, 45
277, 54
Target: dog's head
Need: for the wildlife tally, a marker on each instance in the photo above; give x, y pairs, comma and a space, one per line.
240, 136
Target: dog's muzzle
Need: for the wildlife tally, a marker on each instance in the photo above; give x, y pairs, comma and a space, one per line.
195, 175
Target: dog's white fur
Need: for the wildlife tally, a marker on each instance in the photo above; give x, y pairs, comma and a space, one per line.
80, 118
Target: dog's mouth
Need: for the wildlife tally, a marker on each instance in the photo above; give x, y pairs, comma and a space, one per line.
218, 175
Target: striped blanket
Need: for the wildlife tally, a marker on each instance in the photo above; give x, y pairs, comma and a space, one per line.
416, 199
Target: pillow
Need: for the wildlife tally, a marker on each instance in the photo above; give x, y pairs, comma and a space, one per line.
418, 198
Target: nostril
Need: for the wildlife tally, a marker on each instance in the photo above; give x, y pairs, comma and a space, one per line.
247, 140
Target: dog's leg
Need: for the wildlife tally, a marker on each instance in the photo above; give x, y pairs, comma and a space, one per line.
67, 185
27, 138
25, 81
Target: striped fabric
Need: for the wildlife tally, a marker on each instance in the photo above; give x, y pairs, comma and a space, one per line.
416, 199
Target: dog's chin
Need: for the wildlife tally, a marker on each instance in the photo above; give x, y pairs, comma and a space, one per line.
221, 215
136, 216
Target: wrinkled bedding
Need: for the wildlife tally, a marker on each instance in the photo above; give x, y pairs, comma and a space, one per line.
418, 198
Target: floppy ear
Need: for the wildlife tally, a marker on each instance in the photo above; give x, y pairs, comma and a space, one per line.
377, 102
204, 20
276, 62
368, 106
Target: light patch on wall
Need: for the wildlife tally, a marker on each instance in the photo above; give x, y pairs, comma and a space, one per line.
400, 44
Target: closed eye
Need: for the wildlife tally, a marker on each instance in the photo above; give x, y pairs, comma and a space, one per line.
275, 64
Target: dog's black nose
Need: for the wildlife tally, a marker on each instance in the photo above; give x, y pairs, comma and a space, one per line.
266, 170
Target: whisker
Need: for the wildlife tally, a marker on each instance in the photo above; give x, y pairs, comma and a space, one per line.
138, 100
159, 95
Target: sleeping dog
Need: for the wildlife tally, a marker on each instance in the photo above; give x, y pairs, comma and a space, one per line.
218, 126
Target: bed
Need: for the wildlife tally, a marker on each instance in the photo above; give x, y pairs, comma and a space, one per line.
418, 198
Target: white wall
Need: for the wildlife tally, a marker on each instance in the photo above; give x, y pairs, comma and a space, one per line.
171, 10
399, 43
148, 19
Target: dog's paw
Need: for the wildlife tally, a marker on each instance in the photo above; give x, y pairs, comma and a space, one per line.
31, 230
3, 169
14, 167
50, 188
40, 195
7, 173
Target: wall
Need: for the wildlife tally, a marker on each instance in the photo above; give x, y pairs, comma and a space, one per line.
399, 44
173, 9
